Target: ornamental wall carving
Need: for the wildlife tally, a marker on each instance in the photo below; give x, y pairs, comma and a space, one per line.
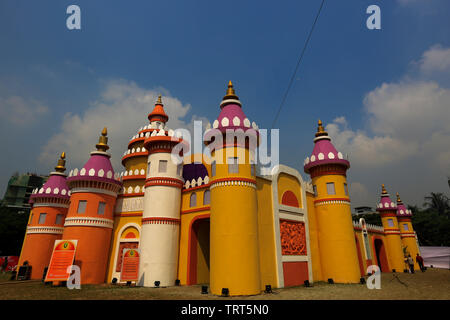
293, 237
129, 204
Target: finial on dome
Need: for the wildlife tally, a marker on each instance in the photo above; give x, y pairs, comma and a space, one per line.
61, 166
383, 189
320, 130
231, 94
399, 201
159, 101
102, 144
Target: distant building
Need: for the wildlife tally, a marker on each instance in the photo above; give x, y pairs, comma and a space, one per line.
363, 210
19, 189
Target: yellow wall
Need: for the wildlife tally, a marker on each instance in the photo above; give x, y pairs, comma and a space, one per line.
266, 234
314, 238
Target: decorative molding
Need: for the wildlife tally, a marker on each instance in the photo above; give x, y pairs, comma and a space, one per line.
205, 208
322, 202
161, 220
229, 182
93, 190
48, 204
164, 181
89, 222
45, 230
129, 204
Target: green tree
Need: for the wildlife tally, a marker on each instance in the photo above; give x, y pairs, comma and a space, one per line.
12, 231
438, 202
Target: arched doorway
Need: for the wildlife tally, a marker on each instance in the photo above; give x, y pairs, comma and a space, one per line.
360, 260
381, 255
198, 259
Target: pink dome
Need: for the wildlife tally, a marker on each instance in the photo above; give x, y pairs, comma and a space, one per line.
98, 167
232, 117
385, 202
55, 187
324, 152
402, 211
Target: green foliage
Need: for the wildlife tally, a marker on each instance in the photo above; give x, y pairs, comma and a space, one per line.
12, 231
439, 203
432, 229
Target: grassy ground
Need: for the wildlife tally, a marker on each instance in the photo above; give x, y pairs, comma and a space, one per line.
433, 284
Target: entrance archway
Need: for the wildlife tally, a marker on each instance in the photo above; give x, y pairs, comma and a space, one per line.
380, 253
198, 259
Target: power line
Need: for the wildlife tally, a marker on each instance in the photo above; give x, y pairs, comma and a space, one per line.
298, 64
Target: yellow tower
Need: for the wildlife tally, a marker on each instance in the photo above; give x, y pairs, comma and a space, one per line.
327, 168
388, 211
234, 258
407, 233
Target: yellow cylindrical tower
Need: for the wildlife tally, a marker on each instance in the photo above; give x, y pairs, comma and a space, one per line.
388, 210
234, 257
327, 168
407, 233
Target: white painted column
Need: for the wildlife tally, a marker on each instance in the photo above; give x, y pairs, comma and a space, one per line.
160, 223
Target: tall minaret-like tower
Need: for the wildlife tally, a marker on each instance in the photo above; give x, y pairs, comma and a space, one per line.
407, 233
327, 168
234, 254
90, 218
50, 204
388, 213
162, 202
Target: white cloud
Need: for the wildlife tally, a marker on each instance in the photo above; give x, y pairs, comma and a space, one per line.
405, 120
122, 107
406, 142
21, 111
436, 59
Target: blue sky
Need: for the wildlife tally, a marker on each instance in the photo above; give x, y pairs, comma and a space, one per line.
51, 78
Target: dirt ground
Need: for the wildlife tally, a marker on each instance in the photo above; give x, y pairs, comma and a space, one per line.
434, 284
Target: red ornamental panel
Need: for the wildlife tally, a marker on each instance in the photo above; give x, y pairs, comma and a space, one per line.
293, 237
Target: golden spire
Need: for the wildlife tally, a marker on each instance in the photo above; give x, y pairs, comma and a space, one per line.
398, 199
102, 144
383, 189
231, 94
320, 130
159, 100
61, 166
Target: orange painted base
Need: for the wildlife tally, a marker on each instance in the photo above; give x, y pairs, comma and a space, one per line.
295, 273
38, 251
92, 252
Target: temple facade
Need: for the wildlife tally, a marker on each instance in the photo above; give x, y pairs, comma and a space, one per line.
213, 220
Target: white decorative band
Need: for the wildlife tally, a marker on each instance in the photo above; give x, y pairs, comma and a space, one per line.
332, 202
89, 222
47, 230
56, 205
294, 258
93, 190
227, 101
233, 183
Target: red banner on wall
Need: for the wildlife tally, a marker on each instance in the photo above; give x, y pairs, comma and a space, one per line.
62, 257
130, 265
